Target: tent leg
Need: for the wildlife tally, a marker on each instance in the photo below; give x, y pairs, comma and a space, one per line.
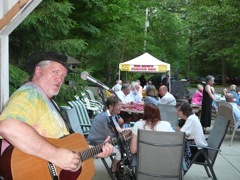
169, 81
119, 74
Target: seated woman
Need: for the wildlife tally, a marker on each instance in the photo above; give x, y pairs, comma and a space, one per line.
197, 97
151, 95
192, 128
152, 121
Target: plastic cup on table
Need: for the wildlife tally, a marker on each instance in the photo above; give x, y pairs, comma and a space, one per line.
126, 125
132, 124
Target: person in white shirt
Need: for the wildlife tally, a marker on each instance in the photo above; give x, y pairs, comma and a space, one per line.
151, 121
140, 90
127, 101
136, 98
166, 97
192, 128
124, 95
117, 86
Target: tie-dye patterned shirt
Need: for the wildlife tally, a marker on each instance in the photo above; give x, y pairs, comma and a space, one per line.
30, 105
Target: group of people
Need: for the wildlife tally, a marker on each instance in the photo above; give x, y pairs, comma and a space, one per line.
206, 98
160, 97
132, 93
233, 97
30, 115
151, 119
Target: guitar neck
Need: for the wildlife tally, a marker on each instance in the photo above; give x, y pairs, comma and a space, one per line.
91, 152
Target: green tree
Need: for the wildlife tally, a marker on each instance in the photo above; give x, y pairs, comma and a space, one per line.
213, 35
47, 28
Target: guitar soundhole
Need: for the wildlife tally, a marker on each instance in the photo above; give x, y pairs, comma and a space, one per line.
69, 175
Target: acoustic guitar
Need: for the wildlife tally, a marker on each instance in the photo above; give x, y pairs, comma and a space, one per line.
20, 166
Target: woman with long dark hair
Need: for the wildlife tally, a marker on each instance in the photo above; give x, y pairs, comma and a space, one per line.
151, 121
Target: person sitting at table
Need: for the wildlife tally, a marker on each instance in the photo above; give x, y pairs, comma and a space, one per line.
101, 127
233, 91
236, 111
140, 90
198, 95
192, 127
151, 95
127, 101
225, 91
151, 121
134, 95
166, 97
124, 95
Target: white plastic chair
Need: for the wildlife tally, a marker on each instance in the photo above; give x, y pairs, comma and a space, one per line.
94, 107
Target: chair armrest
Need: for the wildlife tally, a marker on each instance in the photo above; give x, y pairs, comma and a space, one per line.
87, 125
96, 102
205, 147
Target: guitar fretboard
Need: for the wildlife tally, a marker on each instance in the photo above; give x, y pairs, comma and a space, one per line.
88, 153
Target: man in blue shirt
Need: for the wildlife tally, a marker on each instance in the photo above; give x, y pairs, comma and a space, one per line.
236, 111
233, 91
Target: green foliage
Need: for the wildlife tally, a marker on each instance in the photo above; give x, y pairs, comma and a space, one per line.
195, 37
47, 28
213, 34
16, 78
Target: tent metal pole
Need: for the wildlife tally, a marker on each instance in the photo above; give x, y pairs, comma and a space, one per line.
119, 74
169, 81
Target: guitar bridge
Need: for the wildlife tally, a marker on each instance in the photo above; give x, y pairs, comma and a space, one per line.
53, 171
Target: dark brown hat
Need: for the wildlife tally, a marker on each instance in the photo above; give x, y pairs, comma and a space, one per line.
37, 57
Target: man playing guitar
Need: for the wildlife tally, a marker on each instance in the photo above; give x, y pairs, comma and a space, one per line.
29, 115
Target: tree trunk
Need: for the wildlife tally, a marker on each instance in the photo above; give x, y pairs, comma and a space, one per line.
224, 79
123, 48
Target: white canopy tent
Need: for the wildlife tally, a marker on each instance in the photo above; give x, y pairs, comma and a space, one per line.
145, 63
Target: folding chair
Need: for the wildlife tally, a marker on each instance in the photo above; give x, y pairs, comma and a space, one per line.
82, 115
90, 94
160, 155
214, 141
94, 107
168, 113
70, 115
91, 102
225, 109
